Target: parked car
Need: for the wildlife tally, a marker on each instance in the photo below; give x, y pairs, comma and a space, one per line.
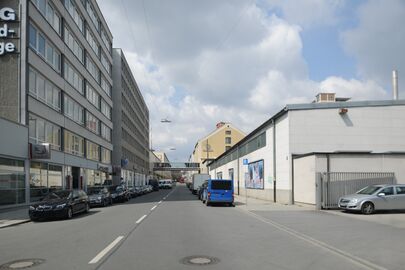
133, 192
219, 191
139, 191
149, 188
60, 204
374, 198
155, 184
119, 193
99, 196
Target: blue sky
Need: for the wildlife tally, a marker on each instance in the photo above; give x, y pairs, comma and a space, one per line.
202, 62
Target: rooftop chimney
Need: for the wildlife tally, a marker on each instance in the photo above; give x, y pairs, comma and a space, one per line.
220, 124
395, 84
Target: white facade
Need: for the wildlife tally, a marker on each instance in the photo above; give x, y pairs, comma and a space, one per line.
377, 127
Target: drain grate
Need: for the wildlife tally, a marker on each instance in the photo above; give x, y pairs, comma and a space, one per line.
199, 260
21, 264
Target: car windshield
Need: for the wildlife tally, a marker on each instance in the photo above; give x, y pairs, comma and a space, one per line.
368, 190
93, 191
221, 185
62, 194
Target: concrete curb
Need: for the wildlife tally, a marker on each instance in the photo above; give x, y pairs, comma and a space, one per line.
14, 223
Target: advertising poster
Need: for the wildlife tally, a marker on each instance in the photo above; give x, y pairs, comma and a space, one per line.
256, 175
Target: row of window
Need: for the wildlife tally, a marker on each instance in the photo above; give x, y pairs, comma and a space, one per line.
39, 44
74, 45
74, 13
47, 10
42, 131
246, 148
45, 91
46, 49
71, 75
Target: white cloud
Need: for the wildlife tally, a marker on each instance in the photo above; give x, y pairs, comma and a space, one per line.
233, 61
357, 90
378, 42
308, 13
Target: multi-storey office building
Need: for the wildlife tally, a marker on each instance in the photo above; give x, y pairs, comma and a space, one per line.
56, 88
131, 125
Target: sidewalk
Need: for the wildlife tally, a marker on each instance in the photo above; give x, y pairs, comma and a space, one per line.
13, 216
252, 204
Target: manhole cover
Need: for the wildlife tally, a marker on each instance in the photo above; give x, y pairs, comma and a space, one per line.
21, 264
199, 260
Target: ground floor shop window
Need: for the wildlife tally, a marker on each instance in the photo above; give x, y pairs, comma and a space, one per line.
12, 181
44, 177
93, 178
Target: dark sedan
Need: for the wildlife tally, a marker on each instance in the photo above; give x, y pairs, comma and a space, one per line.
119, 193
60, 204
99, 196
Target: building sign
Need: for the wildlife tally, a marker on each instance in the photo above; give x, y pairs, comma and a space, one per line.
102, 168
6, 46
10, 48
40, 151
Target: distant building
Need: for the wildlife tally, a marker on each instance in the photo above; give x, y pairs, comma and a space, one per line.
214, 144
131, 126
161, 156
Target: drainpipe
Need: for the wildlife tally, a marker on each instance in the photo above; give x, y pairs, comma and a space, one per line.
274, 162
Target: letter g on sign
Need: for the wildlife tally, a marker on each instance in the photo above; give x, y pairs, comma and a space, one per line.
7, 14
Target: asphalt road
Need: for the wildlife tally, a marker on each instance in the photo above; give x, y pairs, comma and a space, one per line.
160, 229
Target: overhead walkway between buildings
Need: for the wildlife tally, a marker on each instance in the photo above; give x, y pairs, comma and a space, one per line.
176, 166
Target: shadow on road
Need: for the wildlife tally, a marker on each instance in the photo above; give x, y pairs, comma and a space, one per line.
76, 216
379, 212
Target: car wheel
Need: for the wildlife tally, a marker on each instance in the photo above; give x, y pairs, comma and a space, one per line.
69, 213
87, 208
367, 208
105, 203
111, 202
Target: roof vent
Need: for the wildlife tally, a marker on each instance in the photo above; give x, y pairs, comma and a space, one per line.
329, 97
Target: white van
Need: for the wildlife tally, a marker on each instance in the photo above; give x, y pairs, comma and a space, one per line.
166, 183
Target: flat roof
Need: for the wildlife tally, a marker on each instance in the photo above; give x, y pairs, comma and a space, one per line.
313, 106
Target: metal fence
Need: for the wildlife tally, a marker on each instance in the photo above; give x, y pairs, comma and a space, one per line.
337, 184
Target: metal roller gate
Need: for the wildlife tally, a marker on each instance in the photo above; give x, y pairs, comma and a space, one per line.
337, 184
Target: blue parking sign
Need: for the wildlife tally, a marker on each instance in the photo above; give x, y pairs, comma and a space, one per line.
245, 161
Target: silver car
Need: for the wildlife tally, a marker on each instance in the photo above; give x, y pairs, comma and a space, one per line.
373, 198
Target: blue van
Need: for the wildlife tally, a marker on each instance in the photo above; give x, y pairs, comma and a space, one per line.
218, 191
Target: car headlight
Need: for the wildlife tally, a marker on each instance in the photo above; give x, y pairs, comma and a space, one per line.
60, 206
32, 207
354, 200
99, 198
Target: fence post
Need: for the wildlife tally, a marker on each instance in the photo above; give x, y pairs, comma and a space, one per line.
318, 191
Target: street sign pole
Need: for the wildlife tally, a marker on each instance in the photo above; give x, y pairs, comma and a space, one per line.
246, 172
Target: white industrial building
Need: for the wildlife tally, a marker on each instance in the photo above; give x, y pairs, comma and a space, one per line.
329, 135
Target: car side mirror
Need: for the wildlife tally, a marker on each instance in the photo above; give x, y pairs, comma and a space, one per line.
382, 194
